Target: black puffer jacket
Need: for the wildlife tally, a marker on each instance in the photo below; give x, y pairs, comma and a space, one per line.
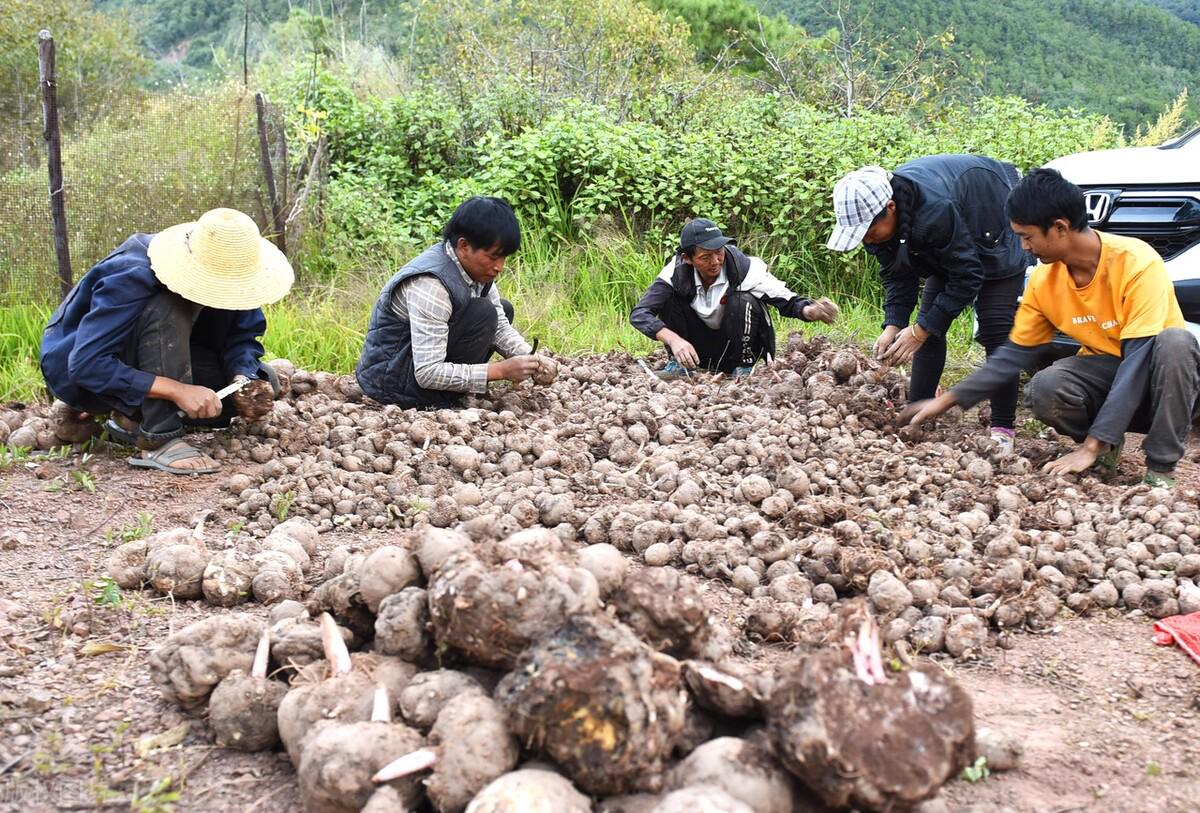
957, 231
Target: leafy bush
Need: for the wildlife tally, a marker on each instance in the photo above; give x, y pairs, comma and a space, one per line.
98, 64
765, 167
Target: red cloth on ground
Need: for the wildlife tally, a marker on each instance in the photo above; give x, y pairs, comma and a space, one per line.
1180, 629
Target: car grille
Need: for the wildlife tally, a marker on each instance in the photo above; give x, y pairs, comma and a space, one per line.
1169, 220
1168, 246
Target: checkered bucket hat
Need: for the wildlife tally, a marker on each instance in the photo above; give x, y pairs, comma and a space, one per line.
857, 199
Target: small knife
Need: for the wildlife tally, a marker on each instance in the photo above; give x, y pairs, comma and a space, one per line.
223, 393
232, 388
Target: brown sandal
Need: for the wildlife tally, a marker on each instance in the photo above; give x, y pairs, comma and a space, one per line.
171, 452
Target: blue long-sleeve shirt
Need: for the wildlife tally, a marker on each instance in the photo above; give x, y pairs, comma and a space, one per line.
82, 344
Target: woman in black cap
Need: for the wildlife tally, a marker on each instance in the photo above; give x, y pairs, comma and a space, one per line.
707, 305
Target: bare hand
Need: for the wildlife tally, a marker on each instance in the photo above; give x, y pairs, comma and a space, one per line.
885, 340
255, 400
518, 368
684, 353
823, 310
902, 348
197, 402
918, 412
1077, 461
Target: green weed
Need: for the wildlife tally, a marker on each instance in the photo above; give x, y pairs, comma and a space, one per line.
108, 593
84, 480
159, 798
20, 337
283, 504
976, 771
139, 529
13, 456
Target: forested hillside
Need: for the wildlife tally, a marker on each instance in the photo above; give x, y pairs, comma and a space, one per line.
1124, 58
1183, 9
190, 38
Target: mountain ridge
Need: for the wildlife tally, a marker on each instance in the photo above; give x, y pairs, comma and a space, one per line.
1125, 58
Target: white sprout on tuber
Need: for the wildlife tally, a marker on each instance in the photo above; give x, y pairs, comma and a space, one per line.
716, 676
381, 711
262, 655
420, 760
335, 647
197, 537
864, 649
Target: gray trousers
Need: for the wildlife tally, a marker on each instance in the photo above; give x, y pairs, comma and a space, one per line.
161, 342
1068, 396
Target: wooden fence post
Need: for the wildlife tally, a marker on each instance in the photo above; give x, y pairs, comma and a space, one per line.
58, 209
260, 104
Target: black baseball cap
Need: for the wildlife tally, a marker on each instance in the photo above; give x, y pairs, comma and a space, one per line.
701, 233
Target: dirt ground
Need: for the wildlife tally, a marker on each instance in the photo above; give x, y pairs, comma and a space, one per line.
1108, 720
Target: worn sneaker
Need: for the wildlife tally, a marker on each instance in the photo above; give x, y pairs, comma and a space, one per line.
672, 370
1003, 439
742, 372
1110, 459
1159, 479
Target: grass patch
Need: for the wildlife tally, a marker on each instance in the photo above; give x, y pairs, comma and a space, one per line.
20, 336
322, 327
574, 297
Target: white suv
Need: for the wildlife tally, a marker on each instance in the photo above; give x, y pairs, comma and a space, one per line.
1152, 193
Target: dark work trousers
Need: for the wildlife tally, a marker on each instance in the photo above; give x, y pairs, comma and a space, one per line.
995, 307
738, 342
161, 344
1068, 395
472, 334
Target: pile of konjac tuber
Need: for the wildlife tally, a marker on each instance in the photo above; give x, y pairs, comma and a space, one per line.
793, 486
557, 592
521, 679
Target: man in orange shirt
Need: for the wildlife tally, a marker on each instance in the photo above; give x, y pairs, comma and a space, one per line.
1138, 368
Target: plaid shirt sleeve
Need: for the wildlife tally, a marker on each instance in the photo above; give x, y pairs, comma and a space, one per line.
508, 341
424, 303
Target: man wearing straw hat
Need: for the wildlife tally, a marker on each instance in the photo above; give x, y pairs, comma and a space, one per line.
153, 329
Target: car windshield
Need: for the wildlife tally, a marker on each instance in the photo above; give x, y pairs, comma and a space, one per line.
1188, 139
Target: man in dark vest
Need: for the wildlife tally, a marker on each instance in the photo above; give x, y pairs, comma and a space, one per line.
707, 305
439, 319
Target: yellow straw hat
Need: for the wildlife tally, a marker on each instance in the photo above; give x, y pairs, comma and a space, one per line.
221, 261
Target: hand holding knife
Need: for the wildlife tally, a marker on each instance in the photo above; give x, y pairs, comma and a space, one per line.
224, 392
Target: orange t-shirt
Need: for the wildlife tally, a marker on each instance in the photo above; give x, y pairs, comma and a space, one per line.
1131, 297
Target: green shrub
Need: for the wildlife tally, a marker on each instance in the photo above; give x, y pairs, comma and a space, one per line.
764, 169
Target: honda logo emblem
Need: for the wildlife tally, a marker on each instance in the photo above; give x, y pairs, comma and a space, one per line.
1098, 205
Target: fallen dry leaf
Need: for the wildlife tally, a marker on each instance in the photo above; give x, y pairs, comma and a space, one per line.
171, 737
103, 648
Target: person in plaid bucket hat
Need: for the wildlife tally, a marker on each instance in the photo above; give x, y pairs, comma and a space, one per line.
938, 229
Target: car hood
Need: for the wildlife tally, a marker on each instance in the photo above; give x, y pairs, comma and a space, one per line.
1131, 166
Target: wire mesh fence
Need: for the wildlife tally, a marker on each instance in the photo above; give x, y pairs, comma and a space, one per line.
144, 163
